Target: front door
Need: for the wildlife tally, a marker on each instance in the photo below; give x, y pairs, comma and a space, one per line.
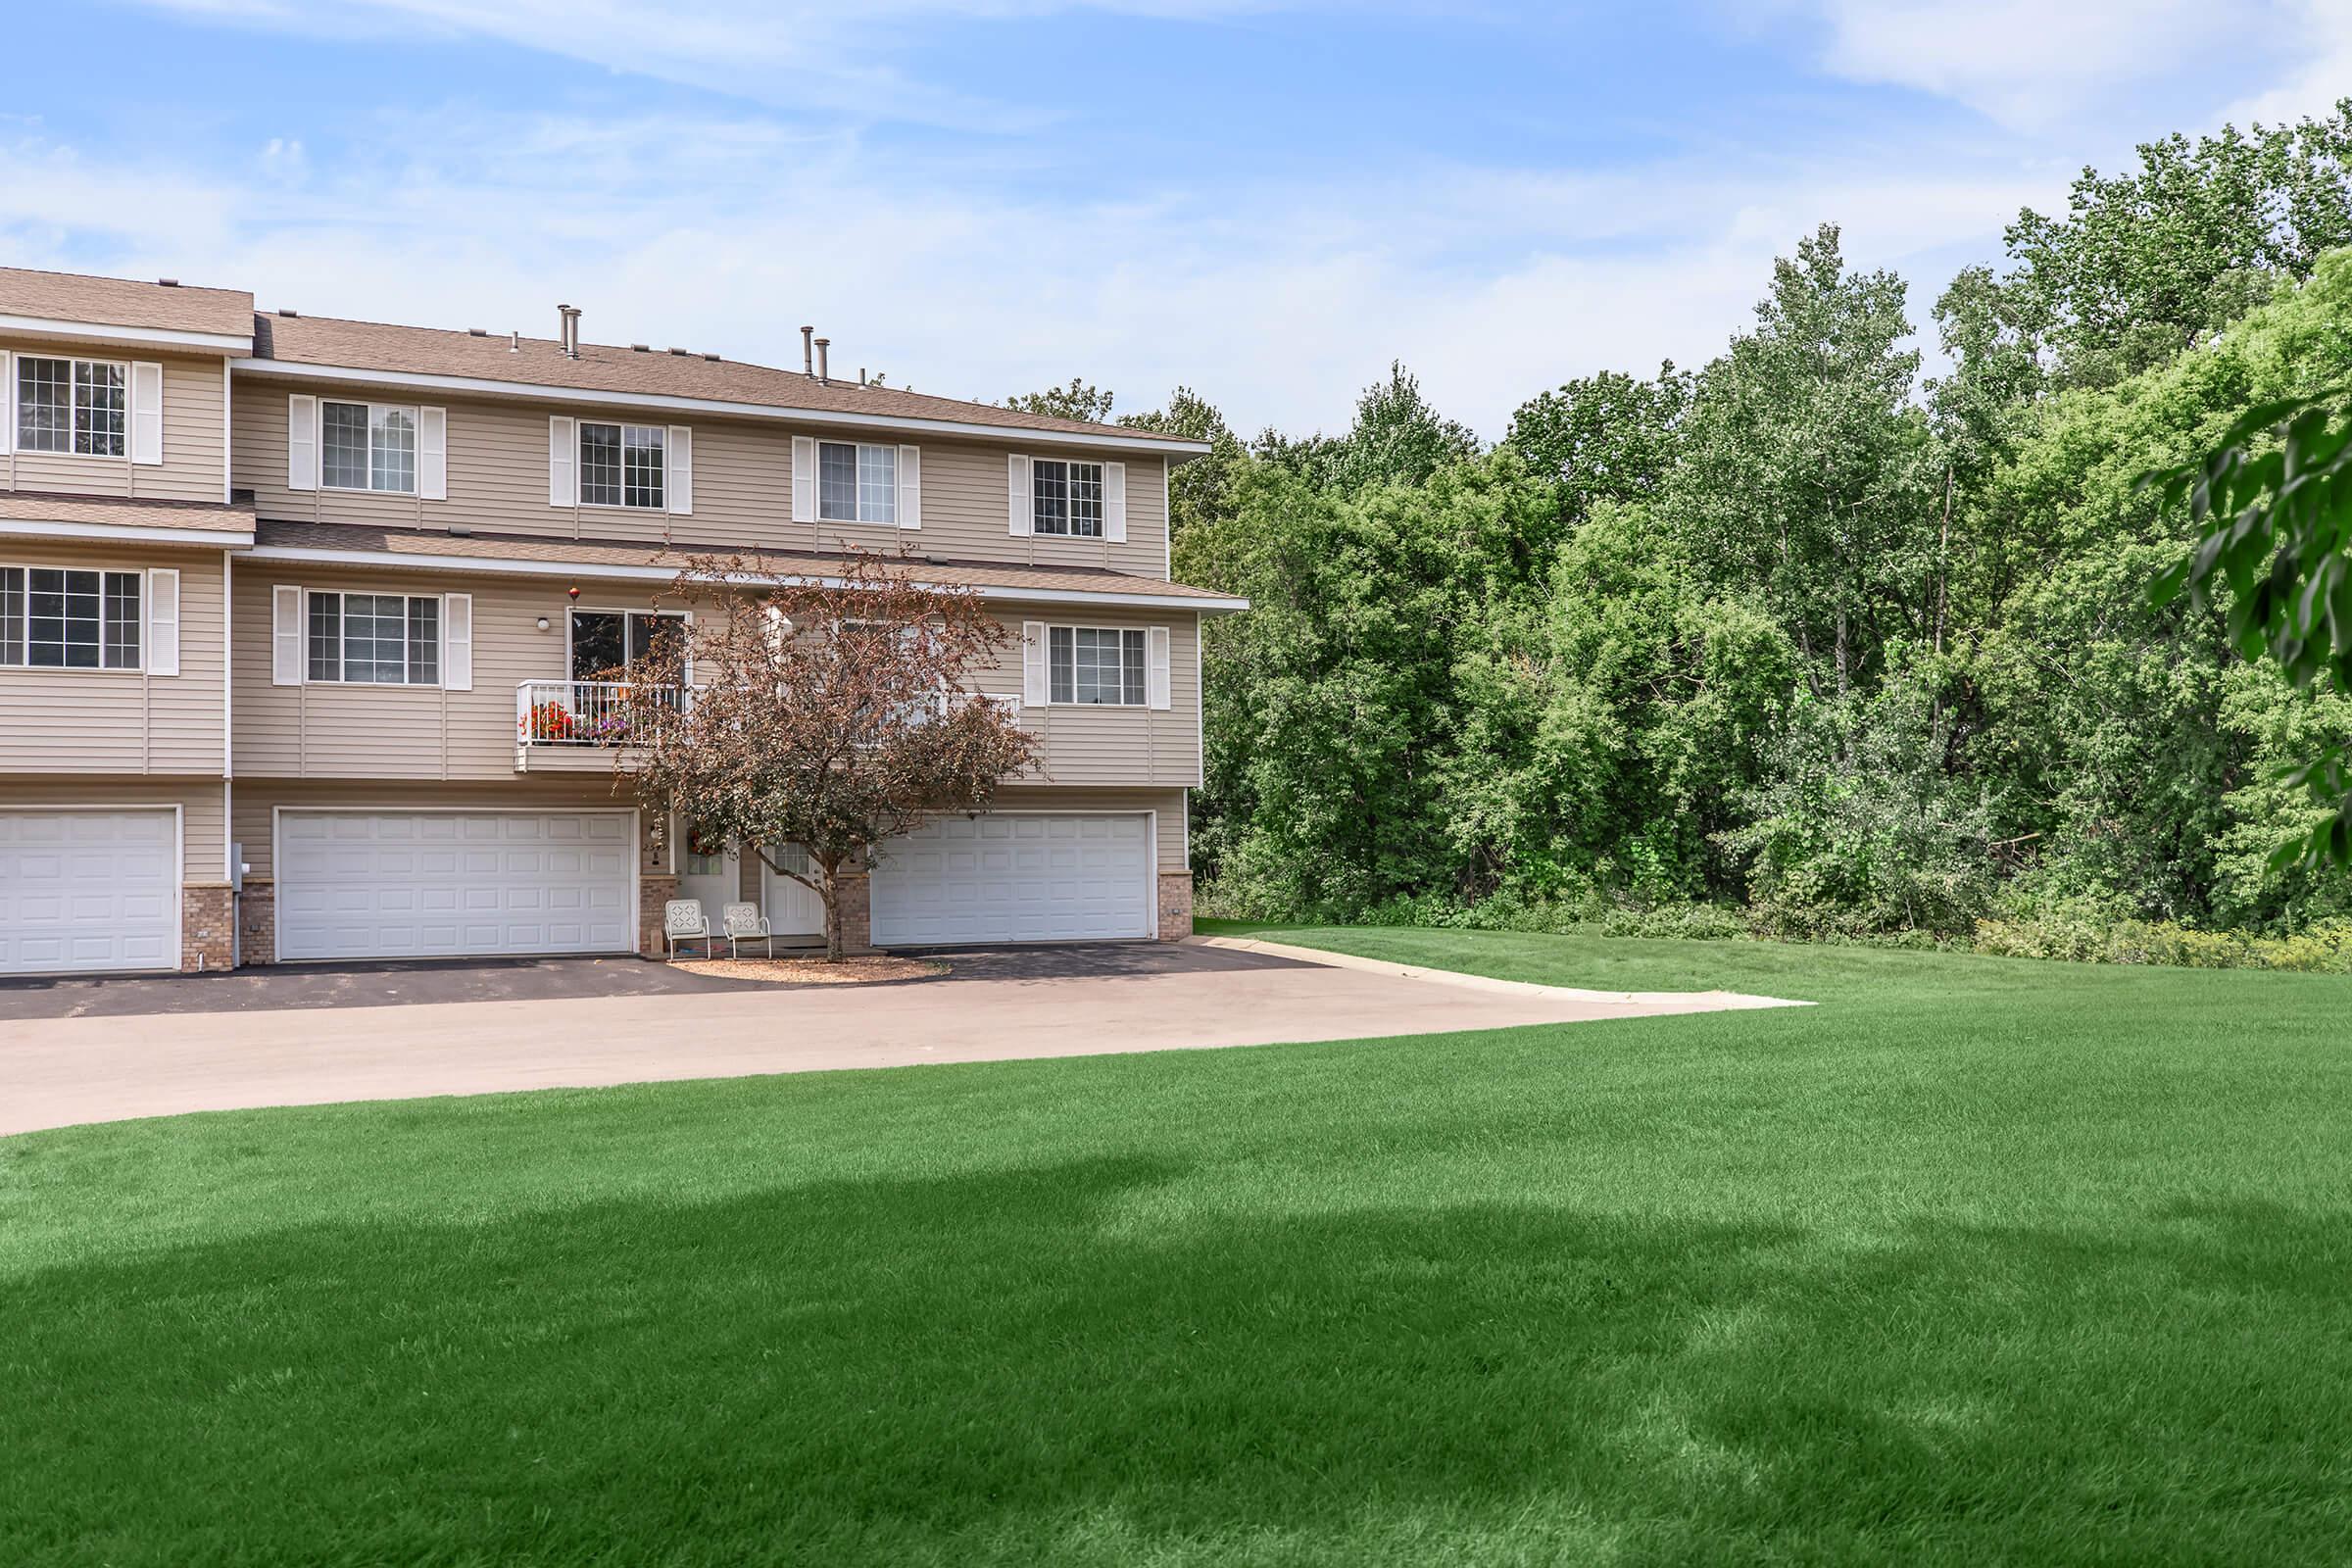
709, 871
793, 909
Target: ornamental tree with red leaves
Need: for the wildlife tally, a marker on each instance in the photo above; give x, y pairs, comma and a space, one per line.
831, 713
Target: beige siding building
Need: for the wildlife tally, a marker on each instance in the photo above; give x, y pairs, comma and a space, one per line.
278, 598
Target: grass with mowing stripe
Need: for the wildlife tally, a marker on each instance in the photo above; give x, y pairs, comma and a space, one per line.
1979, 1261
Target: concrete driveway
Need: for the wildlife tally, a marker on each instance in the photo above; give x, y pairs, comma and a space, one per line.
302, 1036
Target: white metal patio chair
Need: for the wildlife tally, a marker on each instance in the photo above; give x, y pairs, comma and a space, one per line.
743, 922
682, 922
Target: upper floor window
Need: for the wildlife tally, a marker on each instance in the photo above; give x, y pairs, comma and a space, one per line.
1098, 665
52, 618
376, 639
621, 466
75, 406
857, 483
367, 446
1068, 499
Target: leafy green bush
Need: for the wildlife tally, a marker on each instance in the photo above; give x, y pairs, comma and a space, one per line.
2323, 949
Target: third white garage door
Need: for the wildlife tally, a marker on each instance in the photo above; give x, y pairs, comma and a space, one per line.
1017, 877
454, 884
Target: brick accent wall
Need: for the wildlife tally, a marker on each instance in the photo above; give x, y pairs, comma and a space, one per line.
853, 897
1175, 906
653, 891
206, 926
257, 922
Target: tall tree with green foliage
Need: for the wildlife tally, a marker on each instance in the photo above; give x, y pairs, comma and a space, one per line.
1396, 438
1081, 400
1604, 437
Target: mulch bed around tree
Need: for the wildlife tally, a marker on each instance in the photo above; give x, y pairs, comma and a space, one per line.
862, 971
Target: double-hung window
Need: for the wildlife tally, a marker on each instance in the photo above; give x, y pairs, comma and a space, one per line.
72, 405
1100, 664
1068, 499
55, 619
857, 483
376, 639
367, 446
621, 466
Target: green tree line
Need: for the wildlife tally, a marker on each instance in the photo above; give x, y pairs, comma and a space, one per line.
1804, 633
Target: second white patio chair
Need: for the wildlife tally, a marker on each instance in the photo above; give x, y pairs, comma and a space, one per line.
743, 922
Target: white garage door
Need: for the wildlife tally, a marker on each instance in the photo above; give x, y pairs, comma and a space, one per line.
454, 884
82, 891
1016, 877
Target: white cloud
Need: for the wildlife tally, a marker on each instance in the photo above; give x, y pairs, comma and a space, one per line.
1279, 302
2030, 63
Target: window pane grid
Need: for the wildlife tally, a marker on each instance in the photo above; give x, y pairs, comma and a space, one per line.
12, 615
1051, 512
600, 465
641, 466
376, 639
122, 624
837, 481
1099, 666
98, 412
392, 450
63, 618
326, 636
877, 484
44, 405
343, 451
1086, 500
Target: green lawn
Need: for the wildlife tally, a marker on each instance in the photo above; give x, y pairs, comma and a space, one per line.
1978, 1262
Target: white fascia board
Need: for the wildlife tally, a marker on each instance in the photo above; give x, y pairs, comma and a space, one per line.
101, 333
128, 534
490, 566
736, 410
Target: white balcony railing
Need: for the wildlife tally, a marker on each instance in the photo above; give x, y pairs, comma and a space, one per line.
596, 713
582, 713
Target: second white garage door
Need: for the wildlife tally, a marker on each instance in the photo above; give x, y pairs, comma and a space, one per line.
454, 884
1017, 877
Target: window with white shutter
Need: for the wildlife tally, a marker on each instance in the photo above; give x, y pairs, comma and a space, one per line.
302, 441
162, 621
146, 413
563, 461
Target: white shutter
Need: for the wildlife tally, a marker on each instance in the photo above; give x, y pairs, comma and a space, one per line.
1114, 503
562, 457
162, 621
1155, 668
910, 487
432, 453
1036, 690
1020, 499
457, 642
285, 636
679, 479
8, 404
146, 413
804, 478
302, 441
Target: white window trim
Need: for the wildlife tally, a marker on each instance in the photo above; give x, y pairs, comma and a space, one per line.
16, 437
440, 641
858, 450
579, 468
1102, 531
415, 415
105, 623
1145, 632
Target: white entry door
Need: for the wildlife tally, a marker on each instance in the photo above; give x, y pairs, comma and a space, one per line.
793, 909
1017, 876
85, 891
455, 884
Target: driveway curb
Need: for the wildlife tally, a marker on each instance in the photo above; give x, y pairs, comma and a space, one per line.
1691, 1000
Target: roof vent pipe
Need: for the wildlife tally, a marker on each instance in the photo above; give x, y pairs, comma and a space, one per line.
807, 353
823, 374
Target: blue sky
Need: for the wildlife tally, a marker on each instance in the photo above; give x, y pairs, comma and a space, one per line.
1265, 201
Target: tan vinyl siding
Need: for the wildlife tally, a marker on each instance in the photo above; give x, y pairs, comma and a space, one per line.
498, 455
194, 414
256, 802
202, 856
330, 731
1111, 745
114, 720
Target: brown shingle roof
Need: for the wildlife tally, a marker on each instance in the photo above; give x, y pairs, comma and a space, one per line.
656, 372
235, 521
120, 301
395, 544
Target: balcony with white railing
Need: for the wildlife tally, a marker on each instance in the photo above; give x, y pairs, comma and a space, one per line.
575, 724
